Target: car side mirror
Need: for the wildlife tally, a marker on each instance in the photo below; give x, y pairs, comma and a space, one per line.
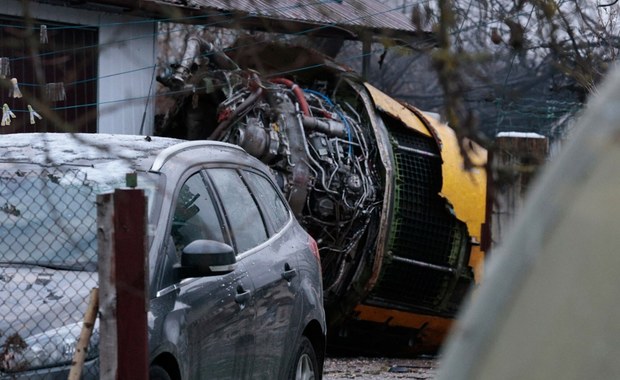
206, 258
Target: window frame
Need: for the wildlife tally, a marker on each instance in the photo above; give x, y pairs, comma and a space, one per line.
166, 254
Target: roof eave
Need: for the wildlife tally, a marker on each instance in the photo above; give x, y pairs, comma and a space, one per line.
167, 11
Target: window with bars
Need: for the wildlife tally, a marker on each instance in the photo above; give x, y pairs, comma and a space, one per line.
48, 76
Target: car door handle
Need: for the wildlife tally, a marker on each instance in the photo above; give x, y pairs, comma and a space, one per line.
288, 273
242, 295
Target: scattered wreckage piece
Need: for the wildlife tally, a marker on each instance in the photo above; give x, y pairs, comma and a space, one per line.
380, 185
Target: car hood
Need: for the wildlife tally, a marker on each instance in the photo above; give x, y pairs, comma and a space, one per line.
36, 299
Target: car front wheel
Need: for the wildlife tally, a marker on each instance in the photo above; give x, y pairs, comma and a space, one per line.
305, 366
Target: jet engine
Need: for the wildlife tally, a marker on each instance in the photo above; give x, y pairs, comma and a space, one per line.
367, 176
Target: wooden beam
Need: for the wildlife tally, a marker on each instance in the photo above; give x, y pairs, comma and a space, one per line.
131, 283
121, 238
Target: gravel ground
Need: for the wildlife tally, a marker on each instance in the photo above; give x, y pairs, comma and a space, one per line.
379, 368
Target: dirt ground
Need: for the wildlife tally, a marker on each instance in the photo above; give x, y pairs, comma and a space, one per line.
364, 368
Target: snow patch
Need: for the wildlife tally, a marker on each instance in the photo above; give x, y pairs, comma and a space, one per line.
522, 135
59, 148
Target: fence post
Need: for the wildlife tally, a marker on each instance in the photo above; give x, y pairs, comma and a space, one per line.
123, 284
515, 160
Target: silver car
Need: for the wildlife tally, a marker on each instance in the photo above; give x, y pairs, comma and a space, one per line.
260, 315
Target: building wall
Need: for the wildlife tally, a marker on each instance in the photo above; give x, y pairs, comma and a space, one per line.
125, 65
123, 105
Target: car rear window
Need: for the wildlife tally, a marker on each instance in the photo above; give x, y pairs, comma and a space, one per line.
246, 222
271, 202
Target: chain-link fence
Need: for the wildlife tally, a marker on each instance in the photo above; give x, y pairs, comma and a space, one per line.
48, 266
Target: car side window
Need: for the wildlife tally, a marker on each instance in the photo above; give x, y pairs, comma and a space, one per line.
195, 216
269, 198
245, 220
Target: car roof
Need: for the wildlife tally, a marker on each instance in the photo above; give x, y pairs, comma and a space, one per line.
83, 149
57, 149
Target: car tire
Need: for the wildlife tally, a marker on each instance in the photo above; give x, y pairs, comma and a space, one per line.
305, 366
158, 373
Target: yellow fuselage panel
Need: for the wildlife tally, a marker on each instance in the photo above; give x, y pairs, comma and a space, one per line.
393, 108
465, 188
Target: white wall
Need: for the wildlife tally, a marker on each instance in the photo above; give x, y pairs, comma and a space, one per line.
125, 67
135, 57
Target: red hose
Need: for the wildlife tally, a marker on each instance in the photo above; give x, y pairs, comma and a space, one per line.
216, 134
299, 93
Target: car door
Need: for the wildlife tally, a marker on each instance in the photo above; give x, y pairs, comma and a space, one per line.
269, 259
212, 315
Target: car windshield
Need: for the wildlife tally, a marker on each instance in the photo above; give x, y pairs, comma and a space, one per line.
48, 215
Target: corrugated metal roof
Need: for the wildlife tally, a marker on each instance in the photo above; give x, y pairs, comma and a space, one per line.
352, 13
351, 19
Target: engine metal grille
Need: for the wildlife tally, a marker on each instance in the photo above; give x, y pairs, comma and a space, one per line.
427, 241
